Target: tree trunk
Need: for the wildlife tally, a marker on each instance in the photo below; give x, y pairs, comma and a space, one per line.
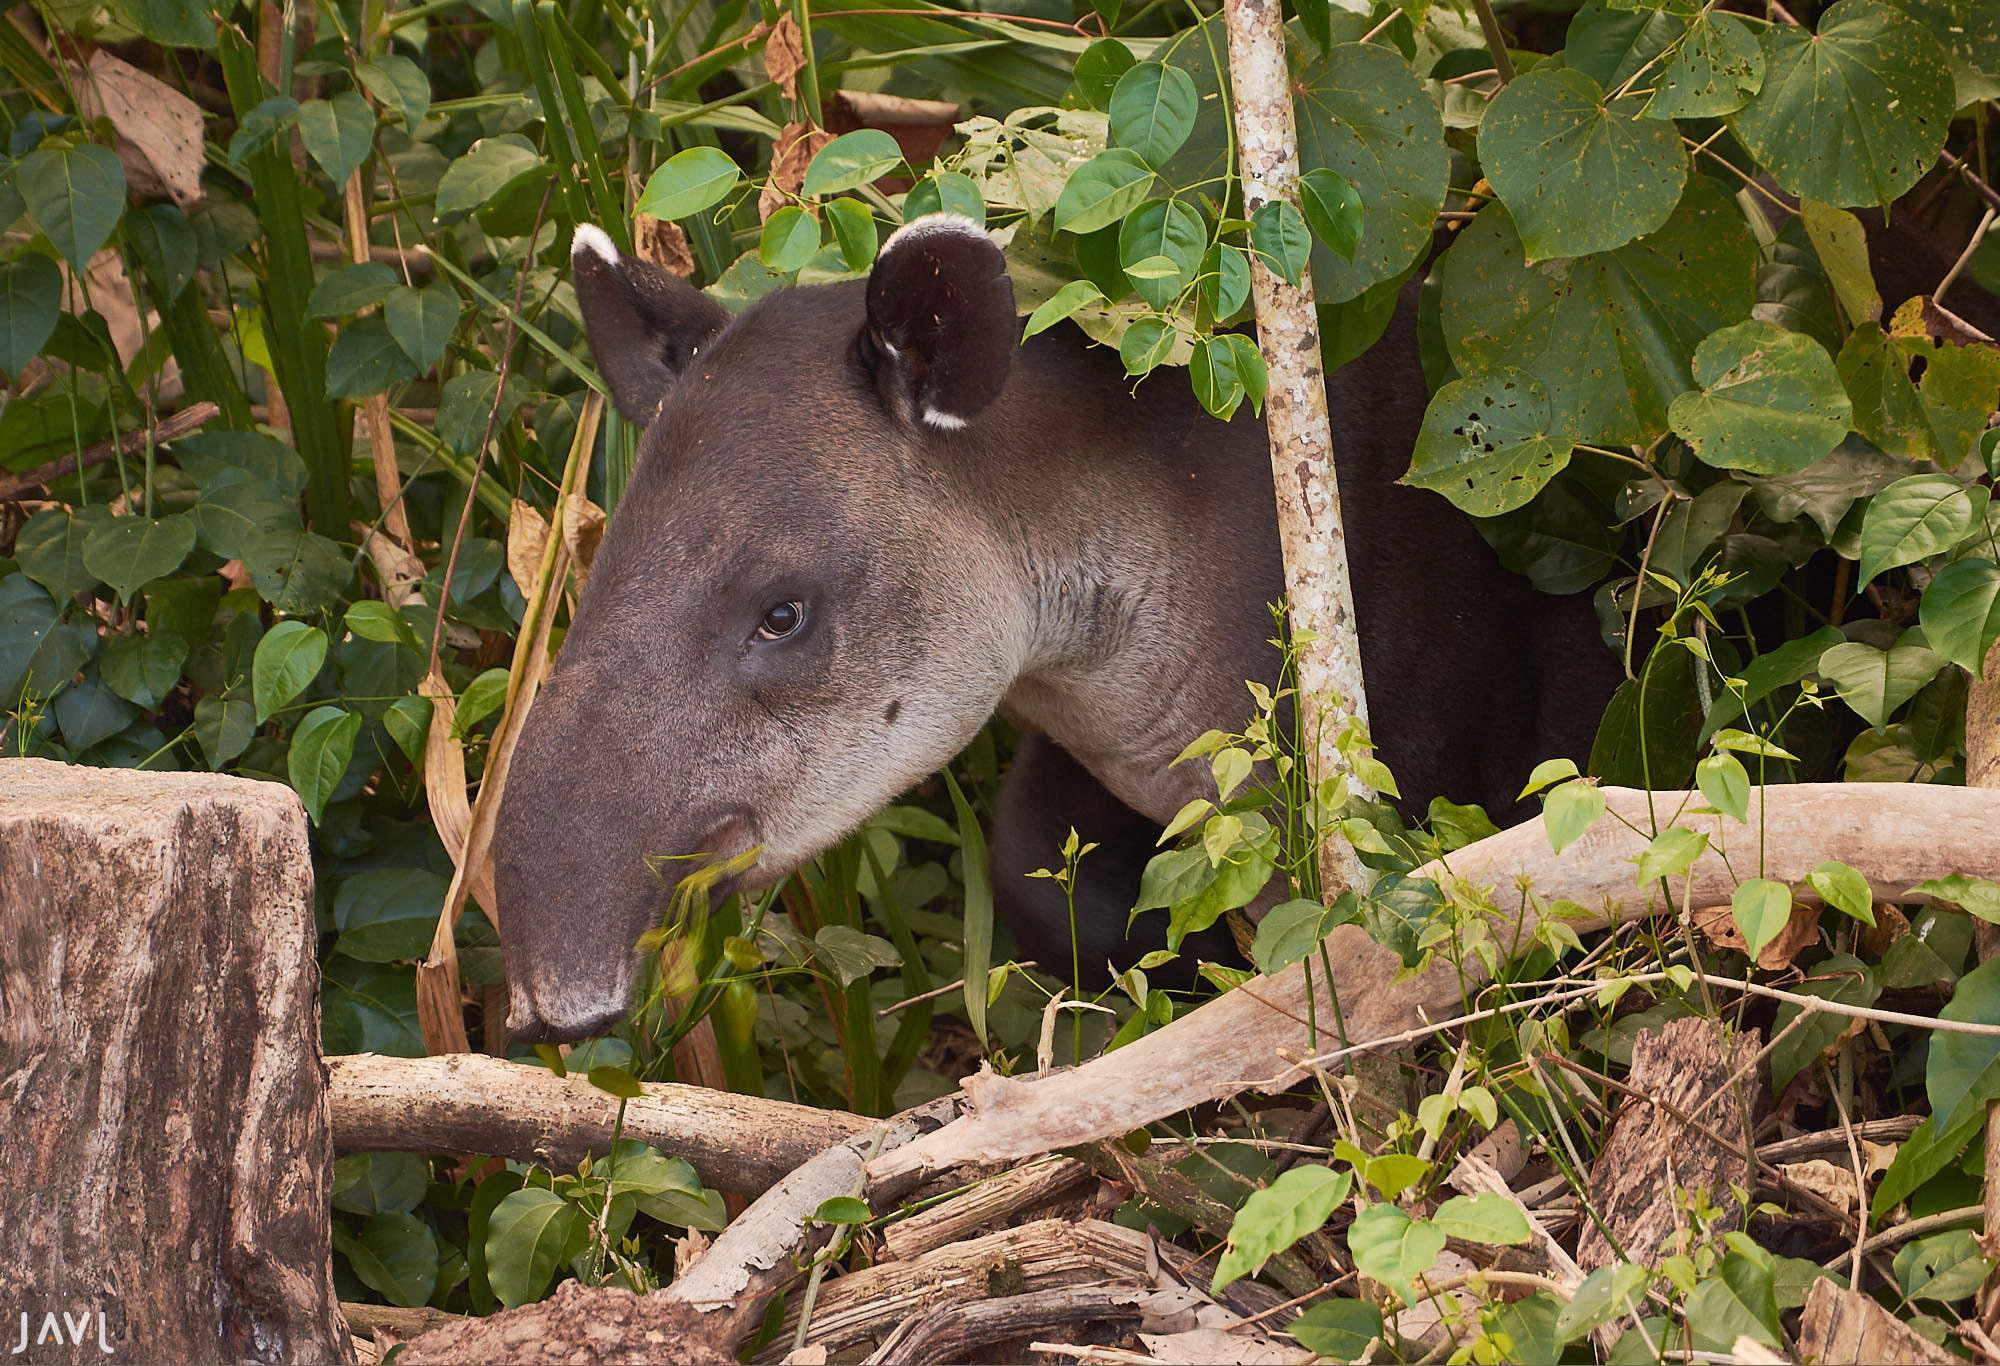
163, 1122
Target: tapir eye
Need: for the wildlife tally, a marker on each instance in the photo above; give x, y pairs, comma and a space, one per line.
781, 620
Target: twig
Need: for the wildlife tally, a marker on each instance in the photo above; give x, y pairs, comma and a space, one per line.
1917, 1228
188, 419
1978, 235
1986, 192
1496, 42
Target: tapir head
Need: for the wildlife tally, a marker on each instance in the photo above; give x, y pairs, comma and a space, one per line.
793, 616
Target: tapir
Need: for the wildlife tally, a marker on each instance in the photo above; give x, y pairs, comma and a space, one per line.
866, 516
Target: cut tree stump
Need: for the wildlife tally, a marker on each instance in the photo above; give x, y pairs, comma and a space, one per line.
164, 1147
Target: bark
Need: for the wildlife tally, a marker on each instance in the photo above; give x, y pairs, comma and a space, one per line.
470, 1103
1982, 769
956, 1331
577, 1324
1844, 1327
1894, 834
1653, 1157
986, 1204
163, 1122
1317, 586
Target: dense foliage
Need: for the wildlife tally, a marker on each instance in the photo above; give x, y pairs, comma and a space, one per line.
301, 437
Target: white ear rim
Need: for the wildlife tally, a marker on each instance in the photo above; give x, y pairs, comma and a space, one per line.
591, 240
929, 225
943, 421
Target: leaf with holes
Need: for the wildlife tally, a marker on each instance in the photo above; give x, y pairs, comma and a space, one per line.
1771, 401
1715, 71
1577, 175
1489, 442
1854, 113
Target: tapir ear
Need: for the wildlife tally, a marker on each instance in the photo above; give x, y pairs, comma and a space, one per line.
644, 324
941, 327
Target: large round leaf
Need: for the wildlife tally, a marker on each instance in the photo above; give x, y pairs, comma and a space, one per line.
1718, 67
127, 553
1364, 114
1770, 401
76, 195
30, 299
1610, 335
1852, 114
297, 572
1577, 175
1612, 45
1489, 442
1970, 33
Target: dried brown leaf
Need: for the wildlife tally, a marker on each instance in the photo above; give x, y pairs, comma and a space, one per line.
661, 241
158, 128
785, 56
797, 145
1801, 930
527, 538
583, 532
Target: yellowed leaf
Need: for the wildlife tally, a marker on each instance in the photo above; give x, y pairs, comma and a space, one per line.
527, 538
583, 532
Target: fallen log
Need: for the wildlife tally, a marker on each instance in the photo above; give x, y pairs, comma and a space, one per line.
472, 1103
1253, 1038
163, 1130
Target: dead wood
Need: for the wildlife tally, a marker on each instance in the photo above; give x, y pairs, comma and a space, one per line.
1894, 834
1842, 1327
954, 1331
986, 1204
579, 1325
164, 1150
394, 1319
1029, 1261
1654, 1162
471, 1103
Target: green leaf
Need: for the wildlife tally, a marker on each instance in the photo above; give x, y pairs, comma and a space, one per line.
1332, 210
1976, 895
322, 747
1740, 1302
288, 659
1489, 443
49, 547
366, 359
616, 1081
1098, 69
1613, 43
421, 322
945, 192
1601, 1297
380, 1183
1337, 1329
127, 553
224, 728
1271, 1220
1945, 1267
791, 236
1146, 345
851, 161
379, 622
853, 955
173, 23
1876, 682
237, 509
400, 84
1963, 1071
1671, 853
531, 1233
388, 914
1960, 612
1225, 280
408, 721
468, 401
1166, 233
1760, 907
1063, 303
1290, 931
1715, 71
978, 909
215, 457
1915, 518
843, 1209
90, 712
1608, 335
1102, 191
1218, 386
1923, 1155
1843, 889
1364, 115
1487, 1218
143, 667
260, 129
1152, 111
854, 230
395, 1256
688, 182
340, 133
492, 164
1578, 176
27, 616
297, 572
482, 697
1771, 401
1278, 235
1723, 780
1871, 83
76, 195
1570, 810
1767, 673
350, 289
30, 299
1842, 978
1391, 1247
167, 247
1842, 244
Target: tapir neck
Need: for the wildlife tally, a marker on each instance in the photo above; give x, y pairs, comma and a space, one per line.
1141, 589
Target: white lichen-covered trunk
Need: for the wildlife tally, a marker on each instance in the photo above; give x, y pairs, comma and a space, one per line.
1317, 585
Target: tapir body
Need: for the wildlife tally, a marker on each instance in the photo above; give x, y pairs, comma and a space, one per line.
865, 517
